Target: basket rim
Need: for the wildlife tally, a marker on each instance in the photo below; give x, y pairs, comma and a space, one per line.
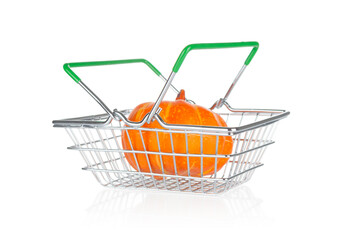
103, 120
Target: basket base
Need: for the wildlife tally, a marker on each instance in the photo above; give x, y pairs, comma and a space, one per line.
177, 183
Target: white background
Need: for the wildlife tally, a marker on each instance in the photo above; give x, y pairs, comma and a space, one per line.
308, 62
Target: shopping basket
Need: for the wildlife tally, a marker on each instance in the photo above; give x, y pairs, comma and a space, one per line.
98, 137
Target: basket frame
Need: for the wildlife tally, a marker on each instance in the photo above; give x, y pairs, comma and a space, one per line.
127, 177
205, 184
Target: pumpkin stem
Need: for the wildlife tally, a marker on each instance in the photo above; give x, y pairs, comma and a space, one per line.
181, 95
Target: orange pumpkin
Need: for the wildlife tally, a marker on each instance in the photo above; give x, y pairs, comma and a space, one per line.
176, 112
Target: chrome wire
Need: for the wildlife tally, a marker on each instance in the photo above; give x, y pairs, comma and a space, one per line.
103, 152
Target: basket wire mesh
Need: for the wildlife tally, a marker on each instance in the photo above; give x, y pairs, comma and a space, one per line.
102, 151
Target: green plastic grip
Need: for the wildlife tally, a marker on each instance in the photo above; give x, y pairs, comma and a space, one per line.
197, 46
75, 77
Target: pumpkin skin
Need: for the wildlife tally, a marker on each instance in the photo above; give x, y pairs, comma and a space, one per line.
176, 112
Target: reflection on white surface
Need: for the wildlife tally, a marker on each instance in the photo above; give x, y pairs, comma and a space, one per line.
148, 208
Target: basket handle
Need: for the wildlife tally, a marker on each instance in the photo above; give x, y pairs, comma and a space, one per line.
67, 68
198, 46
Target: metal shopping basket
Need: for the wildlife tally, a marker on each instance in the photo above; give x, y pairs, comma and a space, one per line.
98, 137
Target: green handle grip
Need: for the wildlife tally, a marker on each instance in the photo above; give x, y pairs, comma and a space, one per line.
197, 46
75, 77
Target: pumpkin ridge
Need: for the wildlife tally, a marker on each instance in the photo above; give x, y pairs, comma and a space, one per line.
141, 112
167, 110
196, 109
146, 138
162, 138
